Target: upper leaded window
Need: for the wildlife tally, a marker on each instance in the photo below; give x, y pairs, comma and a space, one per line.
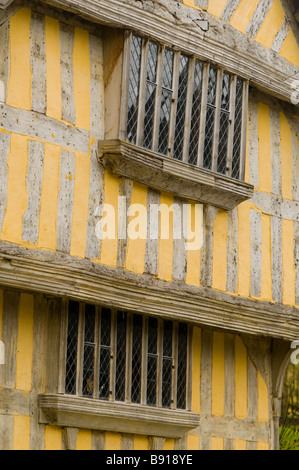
119, 356
186, 109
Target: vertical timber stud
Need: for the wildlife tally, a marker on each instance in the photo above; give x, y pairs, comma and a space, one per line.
38, 63
113, 354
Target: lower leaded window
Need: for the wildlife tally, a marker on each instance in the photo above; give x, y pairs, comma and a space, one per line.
119, 356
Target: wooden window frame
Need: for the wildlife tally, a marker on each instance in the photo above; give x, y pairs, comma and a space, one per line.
118, 416
113, 355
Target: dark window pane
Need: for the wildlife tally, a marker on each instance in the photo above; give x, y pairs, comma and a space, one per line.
88, 369
164, 121
136, 359
89, 348
89, 329
167, 339
121, 354
152, 335
166, 382
151, 380
237, 130
72, 345
209, 138
225, 96
167, 364
134, 84
182, 366
105, 327
181, 108
152, 361
166, 97
195, 116
104, 380
223, 142
152, 59
212, 86
105, 353
167, 74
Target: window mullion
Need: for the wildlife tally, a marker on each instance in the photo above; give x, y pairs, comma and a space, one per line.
63, 345
202, 129
244, 129
125, 85
217, 121
188, 110
160, 363
80, 357
113, 355
174, 103
158, 100
231, 125
142, 94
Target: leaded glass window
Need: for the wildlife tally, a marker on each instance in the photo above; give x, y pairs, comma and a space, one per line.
120, 356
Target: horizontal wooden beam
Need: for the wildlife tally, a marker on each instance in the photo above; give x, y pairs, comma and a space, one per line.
64, 276
179, 26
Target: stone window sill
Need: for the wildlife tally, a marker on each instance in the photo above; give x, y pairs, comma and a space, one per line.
170, 175
88, 413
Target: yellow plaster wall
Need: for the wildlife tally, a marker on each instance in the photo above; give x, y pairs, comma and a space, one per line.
19, 95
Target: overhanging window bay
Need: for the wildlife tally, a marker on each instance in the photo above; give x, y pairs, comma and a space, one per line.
184, 108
